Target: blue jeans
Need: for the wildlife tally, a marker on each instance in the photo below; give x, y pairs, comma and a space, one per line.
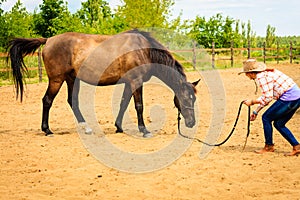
280, 113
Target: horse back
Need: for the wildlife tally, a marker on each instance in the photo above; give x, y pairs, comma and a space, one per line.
113, 58
63, 54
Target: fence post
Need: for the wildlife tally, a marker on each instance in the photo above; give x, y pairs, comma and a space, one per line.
40, 67
231, 53
248, 49
194, 55
291, 52
213, 54
264, 52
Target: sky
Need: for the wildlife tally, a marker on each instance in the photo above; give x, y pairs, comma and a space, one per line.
281, 14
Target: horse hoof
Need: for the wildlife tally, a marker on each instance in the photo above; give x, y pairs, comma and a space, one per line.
143, 130
47, 132
119, 130
147, 135
88, 131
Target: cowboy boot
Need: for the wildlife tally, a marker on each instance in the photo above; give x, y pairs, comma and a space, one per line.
296, 151
267, 148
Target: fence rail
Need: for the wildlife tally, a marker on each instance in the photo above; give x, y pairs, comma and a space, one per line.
222, 54
39, 66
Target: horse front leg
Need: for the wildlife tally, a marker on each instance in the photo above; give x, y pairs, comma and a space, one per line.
138, 100
127, 94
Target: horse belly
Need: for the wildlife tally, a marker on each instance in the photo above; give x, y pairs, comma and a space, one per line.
109, 78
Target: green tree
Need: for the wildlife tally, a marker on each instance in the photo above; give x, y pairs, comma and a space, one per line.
93, 12
243, 35
143, 14
198, 31
15, 23
237, 38
2, 27
52, 18
227, 31
216, 29
270, 36
251, 36
18, 21
96, 17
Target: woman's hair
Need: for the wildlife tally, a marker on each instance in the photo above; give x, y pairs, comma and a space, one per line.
269, 70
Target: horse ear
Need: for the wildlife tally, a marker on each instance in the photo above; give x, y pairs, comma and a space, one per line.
196, 82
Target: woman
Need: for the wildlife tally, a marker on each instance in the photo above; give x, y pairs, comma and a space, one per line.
274, 85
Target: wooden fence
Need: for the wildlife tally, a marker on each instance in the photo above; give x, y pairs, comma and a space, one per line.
39, 66
216, 54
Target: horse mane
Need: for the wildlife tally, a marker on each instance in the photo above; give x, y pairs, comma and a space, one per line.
160, 54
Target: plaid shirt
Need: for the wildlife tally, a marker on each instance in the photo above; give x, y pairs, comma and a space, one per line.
273, 84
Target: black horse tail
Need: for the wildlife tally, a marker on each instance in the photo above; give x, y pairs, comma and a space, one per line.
18, 49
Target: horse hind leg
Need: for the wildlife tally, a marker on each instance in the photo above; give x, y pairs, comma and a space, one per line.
73, 91
52, 90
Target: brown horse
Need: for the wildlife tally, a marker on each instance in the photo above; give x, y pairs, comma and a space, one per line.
130, 57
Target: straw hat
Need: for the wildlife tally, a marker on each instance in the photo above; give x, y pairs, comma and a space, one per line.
251, 65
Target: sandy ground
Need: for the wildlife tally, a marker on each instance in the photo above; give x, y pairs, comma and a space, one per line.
33, 166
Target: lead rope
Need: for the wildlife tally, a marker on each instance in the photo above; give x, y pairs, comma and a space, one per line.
230, 134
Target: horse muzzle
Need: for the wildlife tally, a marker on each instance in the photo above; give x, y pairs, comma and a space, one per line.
190, 123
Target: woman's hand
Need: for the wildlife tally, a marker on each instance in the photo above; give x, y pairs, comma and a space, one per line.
253, 117
248, 102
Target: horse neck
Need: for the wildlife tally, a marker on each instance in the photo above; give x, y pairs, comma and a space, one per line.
170, 76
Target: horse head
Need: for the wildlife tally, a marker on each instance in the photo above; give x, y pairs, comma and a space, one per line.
184, 101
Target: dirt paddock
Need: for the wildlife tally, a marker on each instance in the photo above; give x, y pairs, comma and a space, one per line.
33, 166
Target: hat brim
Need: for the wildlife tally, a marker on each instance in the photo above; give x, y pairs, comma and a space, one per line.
261, 68
251, 71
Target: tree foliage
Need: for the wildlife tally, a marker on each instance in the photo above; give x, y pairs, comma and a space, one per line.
16, 23
270, 36
96, 16
217, 29
223, 31
3, 34
143, 14
93, 12
51, 18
